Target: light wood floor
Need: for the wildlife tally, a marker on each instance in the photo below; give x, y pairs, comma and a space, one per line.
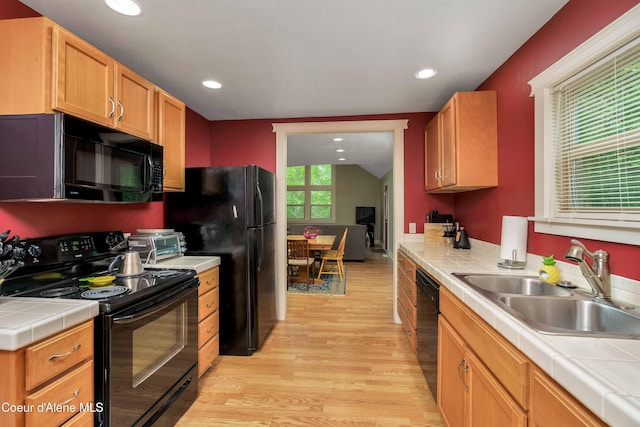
335, 361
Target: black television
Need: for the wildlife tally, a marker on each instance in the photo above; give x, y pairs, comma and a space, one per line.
365, 215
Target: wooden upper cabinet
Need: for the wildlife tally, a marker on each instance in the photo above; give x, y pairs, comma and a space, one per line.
432, 154
461, 144
135, 104
47, 69
83, 79
170, 134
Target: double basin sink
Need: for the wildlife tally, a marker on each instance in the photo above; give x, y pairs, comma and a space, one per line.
554, 310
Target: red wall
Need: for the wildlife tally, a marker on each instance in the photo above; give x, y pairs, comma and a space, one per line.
481, 211
198, 146
37, 219
239, 142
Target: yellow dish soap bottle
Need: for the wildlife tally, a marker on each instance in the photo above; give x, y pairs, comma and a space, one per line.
549, 272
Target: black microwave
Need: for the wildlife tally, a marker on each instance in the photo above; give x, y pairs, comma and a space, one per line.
59, 157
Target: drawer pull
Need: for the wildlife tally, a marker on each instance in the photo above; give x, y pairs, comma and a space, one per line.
211, 353
58, 356
211, 304
211, 328
75, 394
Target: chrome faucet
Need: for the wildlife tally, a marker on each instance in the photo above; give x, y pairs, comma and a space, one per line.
598, 277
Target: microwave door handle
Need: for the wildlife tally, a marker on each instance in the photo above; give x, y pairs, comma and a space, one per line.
148, 175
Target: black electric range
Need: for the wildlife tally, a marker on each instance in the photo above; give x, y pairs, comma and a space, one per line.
60, 266
145, 335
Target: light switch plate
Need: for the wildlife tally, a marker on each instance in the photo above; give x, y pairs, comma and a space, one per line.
412, 227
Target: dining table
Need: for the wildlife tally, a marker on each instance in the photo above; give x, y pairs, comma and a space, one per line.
321, 242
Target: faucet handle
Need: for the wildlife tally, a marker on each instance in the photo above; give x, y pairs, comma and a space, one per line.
582, 246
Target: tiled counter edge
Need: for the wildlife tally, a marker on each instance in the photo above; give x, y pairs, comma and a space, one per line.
604, 374
24, 321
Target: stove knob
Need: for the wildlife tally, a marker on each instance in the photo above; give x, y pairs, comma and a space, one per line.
19, 253
34, 251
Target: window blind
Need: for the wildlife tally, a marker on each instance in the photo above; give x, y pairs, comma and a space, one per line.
596, 122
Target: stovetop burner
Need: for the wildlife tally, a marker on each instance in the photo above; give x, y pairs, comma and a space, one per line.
59, 292
105, 293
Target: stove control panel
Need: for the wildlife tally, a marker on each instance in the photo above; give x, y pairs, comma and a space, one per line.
57, 249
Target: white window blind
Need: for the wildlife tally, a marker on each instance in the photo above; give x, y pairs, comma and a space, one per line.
596, 132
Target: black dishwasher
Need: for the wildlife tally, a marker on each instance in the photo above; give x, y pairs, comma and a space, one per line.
427, 327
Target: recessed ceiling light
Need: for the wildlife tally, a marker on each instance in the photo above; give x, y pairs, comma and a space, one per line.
211, 84
342, 159
125, 7
340, 150
427, 73
338, 139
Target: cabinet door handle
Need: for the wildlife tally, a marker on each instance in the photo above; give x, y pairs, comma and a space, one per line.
460, 365
113, 107
121, 110
75, 394
58, 356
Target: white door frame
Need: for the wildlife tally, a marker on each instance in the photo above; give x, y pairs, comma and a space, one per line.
282, 130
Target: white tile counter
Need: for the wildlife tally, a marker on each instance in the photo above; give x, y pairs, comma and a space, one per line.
603, 373
26, 320
197, 263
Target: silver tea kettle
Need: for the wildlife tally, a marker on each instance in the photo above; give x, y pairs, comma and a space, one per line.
128, 264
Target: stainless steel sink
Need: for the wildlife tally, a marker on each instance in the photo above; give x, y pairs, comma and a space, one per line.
553, 310
572, 315
503, 284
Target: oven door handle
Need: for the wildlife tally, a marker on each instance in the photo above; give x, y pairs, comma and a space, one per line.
137, 315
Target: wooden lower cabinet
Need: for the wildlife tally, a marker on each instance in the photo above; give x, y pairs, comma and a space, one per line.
52, 380
468, 394
552, 405
407, 298
483, 380
208, 319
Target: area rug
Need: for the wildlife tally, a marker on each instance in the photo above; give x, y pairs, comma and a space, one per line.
330, 285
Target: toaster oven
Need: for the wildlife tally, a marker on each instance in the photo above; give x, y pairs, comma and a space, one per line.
156, 247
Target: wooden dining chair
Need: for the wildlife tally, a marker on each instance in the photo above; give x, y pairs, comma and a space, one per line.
327, 265
298, 256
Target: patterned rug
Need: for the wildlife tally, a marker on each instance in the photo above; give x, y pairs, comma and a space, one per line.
331, 285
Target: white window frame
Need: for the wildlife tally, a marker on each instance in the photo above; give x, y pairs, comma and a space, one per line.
614, 229
307, 188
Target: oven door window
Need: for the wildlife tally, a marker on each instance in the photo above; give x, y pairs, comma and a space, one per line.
156, 343
150, 349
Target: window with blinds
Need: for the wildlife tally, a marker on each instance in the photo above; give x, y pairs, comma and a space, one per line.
596, 127
587, 138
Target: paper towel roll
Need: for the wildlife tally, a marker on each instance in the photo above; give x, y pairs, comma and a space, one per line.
514, 237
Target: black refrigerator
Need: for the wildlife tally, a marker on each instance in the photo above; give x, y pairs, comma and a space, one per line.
230, 212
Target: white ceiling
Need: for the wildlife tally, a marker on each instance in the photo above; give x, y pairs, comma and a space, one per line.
308, 58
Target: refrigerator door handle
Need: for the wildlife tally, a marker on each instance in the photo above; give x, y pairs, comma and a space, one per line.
235, 212
260, 244
259, 207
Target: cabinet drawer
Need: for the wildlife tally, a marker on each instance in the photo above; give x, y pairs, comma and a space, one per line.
208, 353
412, 314
411, 291
208, 303
410, 269
82, 419
209, 279
53, 356
208, 328
68, 391
506, 362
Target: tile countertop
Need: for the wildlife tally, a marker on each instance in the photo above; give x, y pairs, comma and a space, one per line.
603, 373
197, 263
24, 321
